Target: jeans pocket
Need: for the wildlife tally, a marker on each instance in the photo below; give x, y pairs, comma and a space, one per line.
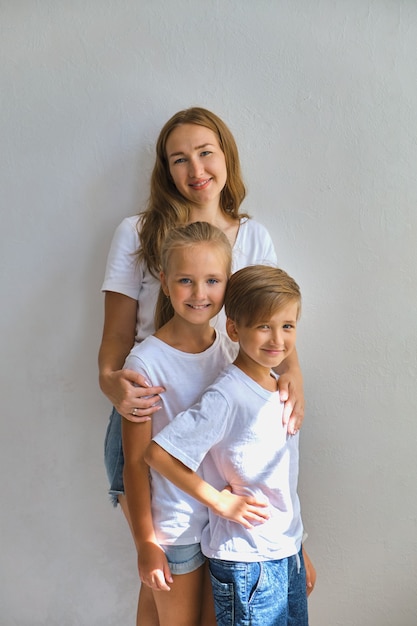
224, 601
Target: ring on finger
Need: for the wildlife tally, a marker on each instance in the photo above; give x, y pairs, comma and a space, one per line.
134, 411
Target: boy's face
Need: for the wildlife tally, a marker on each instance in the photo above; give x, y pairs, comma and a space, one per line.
269, 342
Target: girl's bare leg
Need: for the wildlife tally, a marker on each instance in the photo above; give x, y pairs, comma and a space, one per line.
185, 600
147, 614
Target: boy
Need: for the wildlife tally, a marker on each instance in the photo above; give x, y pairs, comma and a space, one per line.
255, 557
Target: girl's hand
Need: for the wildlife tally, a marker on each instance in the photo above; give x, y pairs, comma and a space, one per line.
153, 567
245, 510
293, 397
131, 394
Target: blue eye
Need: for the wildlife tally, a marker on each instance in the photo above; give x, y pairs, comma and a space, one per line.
205, 153
184, 281
288, 326
212, 281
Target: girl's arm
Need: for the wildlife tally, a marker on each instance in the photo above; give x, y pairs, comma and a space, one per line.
152, 563
244, 510
124, 388
290, 386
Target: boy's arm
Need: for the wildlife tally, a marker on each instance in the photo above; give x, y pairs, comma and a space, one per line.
244, 510
152, 563
290, 386
310, 572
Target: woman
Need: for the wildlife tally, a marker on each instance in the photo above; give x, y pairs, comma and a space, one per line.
196, 177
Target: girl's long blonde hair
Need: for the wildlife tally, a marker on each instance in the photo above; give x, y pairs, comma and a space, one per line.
188, 236
167, 208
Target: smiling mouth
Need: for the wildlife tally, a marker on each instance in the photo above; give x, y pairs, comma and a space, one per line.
201, 184
198, 307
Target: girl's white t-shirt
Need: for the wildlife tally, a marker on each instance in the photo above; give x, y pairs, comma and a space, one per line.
177, 517
125, 275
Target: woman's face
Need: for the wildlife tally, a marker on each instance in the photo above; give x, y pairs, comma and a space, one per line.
197, 164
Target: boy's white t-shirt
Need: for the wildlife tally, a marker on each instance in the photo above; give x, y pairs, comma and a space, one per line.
178, 518
234, 434
125, 275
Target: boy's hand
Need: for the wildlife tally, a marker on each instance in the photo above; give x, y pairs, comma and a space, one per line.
310, 572
245, 510
153, 567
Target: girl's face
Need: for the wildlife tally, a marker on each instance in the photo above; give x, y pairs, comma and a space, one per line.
196, 282
197, 164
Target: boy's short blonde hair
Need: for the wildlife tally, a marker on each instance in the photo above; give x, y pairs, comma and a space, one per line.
255, 292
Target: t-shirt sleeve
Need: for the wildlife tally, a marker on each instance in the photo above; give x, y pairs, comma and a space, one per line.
123, 272
195, 431
270, 255
253, 246
136, 364
263, 245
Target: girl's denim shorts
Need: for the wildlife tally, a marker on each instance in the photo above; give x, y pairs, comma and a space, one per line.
184, 559
113, 456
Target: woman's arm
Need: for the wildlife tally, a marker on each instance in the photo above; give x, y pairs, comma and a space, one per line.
244, 510
152, 562
124, 388
290, 385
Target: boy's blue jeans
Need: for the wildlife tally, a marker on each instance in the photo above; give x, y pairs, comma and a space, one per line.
266, 593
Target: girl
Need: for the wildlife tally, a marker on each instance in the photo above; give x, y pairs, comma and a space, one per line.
189, 353
196, 176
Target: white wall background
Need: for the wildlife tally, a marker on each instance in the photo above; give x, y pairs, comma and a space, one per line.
322, 99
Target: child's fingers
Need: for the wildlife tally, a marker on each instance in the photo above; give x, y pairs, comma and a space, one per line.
255, 515
257, 504
159, 582
244, 522
258, 515
167, 574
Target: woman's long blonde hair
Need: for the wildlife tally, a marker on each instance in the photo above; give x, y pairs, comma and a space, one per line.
188, 236
167, 208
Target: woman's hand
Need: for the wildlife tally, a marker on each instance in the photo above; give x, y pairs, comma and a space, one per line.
153, 567
291, 393
127, 390
290, 387
131, 394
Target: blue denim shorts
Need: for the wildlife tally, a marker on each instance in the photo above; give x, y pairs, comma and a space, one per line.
113, 456
184, 559
264, 593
